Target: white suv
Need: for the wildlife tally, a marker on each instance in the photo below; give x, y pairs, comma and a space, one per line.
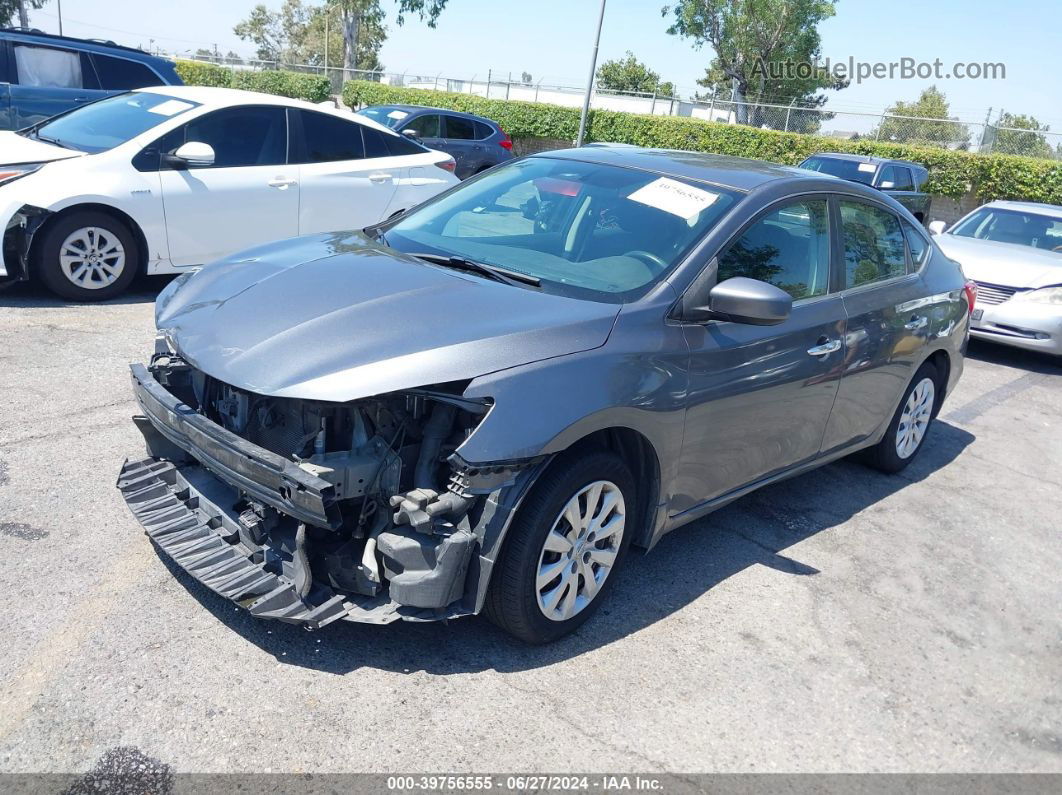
160, 180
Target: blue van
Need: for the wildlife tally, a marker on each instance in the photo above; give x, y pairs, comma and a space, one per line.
42, 75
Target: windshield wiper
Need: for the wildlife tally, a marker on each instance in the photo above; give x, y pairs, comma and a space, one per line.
49, 140
503, 275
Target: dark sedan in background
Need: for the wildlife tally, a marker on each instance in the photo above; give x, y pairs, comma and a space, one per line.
475, 142
901, 179
480, 405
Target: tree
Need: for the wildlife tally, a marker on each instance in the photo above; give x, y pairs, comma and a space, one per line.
9, 9
631, 75
918, 122
350, 32
766, 51
1010, 141
526, 79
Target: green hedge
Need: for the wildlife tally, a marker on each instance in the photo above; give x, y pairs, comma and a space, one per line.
312, 88
950, 173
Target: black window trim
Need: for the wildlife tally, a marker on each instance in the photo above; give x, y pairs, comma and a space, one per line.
908, 274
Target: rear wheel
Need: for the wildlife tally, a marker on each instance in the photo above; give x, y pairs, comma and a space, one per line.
906, 433
87, 256
569, 537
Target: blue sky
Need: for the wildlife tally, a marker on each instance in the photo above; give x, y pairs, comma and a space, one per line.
551, 39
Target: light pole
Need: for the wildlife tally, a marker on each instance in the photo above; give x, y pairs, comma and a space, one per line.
59, 11
590, 79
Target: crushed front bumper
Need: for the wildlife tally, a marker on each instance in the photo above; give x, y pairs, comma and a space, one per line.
186, 496
1022, 324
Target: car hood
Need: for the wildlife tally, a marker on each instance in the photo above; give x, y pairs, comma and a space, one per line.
336, 317
16, 149
1005, 264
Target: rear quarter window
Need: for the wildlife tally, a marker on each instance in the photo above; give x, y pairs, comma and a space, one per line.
122, 74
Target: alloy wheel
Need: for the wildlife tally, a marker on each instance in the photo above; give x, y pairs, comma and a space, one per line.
580, 550
914, 421
92, 257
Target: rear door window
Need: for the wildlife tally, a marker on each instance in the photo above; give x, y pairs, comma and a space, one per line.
328, 138
483, 131
917, 245
460, 129
51, 67
874, 248
789, 248
899, 176
121, 74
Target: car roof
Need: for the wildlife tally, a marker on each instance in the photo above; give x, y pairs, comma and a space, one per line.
226, 97
738, 173
1051, 210
91, 45
878, 161
448, 111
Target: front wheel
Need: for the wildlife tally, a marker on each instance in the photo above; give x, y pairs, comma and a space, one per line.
906, 433
564, 546
87, 256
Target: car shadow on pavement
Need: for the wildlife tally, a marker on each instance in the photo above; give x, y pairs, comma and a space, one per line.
686, 564
1006, 356
144, 289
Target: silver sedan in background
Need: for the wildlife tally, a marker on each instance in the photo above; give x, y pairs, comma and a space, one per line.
1013, 250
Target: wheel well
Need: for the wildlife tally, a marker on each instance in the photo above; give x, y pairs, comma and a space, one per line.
638, 453
115, 213
942, 362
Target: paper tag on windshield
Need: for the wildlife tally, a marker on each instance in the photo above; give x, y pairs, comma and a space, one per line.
171, 107
674, 197
397, 114
867, 167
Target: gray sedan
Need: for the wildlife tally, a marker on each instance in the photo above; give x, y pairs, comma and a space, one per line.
481, 405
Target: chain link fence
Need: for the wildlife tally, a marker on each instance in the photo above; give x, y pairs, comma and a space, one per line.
849, 125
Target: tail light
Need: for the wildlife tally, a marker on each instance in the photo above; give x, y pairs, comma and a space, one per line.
971, 293
506, 142
448, 165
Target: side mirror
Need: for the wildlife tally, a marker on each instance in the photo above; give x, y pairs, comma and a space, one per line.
193, 153
409, 132
937, 227
749, 301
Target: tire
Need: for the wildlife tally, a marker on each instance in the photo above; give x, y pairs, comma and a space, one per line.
87, 256
514, 600
906, 435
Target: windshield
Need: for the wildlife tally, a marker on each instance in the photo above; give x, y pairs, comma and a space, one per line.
388, 117
1012, 226
110, 122
851, 170
584, 229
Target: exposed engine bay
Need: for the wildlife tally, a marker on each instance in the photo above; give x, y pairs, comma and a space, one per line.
402, 514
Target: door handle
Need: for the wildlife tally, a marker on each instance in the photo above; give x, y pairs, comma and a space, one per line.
825, 347
917, 323
281, 182
379, 177
82, 99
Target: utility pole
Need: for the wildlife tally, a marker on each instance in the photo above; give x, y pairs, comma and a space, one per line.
590, 79
984, 131
59, 11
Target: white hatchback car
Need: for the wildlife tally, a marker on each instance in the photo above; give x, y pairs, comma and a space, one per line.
159, 180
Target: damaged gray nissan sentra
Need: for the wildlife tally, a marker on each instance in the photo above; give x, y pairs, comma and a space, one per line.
480, 405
